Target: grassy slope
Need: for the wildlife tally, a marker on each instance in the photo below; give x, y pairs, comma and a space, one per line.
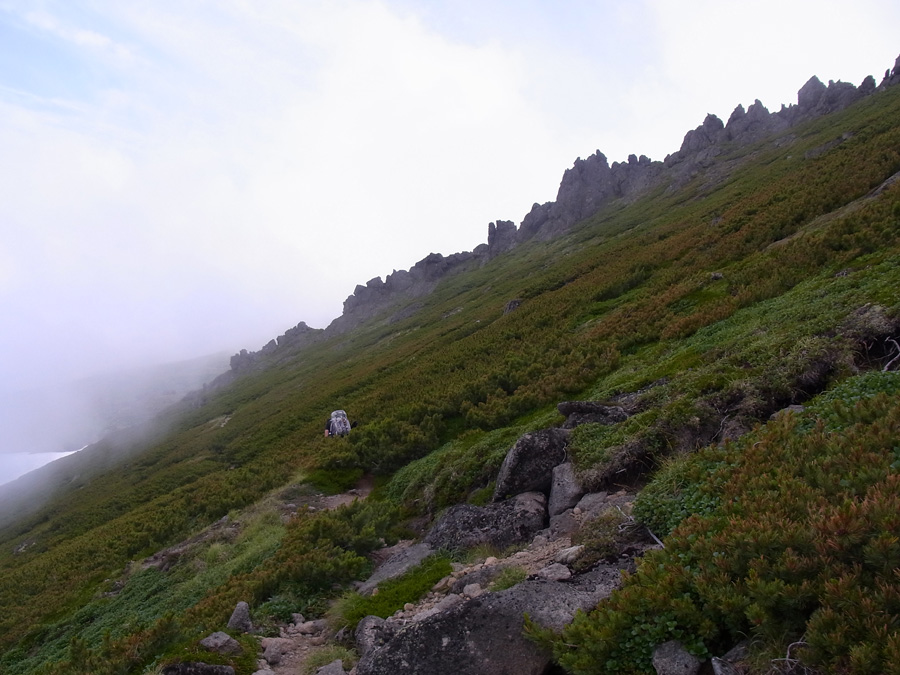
626, 299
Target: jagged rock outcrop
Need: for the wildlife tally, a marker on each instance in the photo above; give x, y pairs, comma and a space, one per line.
501, 237
498, 525
529, 463
485, 634
891, 75
587, 187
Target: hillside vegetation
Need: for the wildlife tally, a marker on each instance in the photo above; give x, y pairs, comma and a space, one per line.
770, 278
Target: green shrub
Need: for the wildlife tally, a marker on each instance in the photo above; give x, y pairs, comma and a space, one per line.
509, 577
803, 543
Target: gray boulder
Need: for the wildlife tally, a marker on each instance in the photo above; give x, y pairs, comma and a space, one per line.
399, 563
528, 464
484, 634
590, 412
196, 668
565, 490
514, 521
240, 618
221, 643
334, 668
671, 658
371, 633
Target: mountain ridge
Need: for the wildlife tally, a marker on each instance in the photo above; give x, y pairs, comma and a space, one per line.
585, 188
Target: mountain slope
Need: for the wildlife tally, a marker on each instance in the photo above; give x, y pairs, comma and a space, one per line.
765, 276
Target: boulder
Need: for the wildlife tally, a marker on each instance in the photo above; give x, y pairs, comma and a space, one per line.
240, 618
555, 572
592, 503
221, 643
196, 668
336, 667
514, 521
401, 562
590, 412
565, 490
671, 658
529, 463
484, 634
563, 525
371, 632
272, 654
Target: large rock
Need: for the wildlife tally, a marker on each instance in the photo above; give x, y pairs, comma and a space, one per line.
371, 633
565, 490
528, 465
221, 643
590, 412
399, 563
484, 634
514, 521
240, 618
336, 667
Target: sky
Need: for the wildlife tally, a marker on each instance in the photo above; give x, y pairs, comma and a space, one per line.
180, 178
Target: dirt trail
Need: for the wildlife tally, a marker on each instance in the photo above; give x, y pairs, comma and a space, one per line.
296, 644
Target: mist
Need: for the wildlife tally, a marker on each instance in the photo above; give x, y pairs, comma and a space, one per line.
40, 425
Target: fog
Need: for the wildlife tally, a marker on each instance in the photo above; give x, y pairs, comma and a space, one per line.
181, 179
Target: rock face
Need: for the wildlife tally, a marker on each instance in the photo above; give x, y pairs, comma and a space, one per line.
484, 634
529, 463
499, 525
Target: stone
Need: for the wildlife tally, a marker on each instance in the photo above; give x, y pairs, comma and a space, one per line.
671, 658
240, 618
565, 490
472, 590
590, 412
272, 654
592, 503
371, 633
336, 667
529, 462
555, 572
567, 556
221, 643
483, 634
563, 525
499, 525
196, 668
398, 564
264, 671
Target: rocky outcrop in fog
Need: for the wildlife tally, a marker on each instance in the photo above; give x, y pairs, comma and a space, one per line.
586, 188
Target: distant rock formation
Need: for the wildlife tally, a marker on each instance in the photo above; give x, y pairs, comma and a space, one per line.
586, 188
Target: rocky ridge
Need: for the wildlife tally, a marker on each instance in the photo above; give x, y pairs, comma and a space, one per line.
587, 187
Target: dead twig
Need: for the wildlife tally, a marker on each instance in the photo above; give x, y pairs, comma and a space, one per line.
891, 362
